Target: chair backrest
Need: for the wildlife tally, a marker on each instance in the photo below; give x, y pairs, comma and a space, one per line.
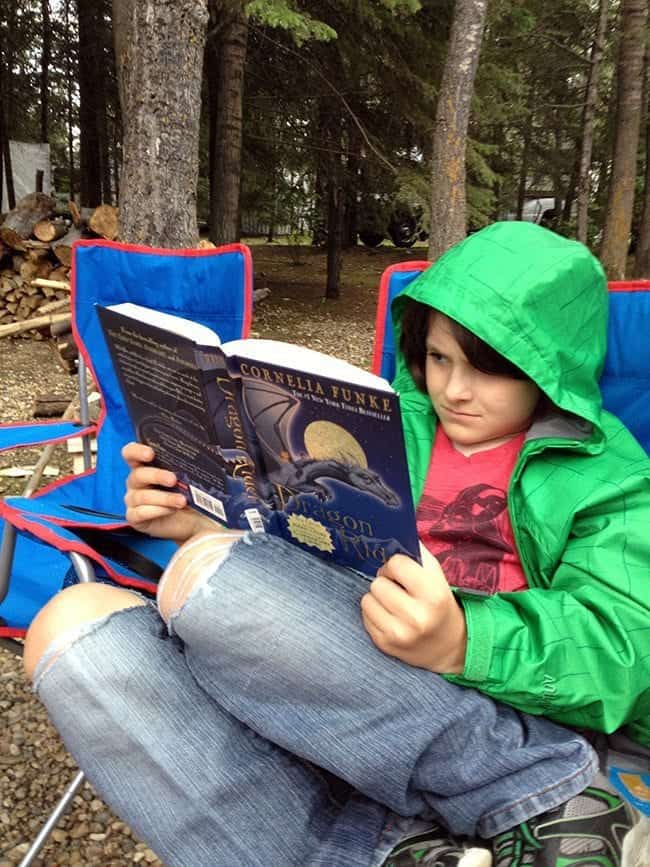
625, 382
212, 286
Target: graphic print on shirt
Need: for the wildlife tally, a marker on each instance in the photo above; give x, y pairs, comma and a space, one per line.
465, 536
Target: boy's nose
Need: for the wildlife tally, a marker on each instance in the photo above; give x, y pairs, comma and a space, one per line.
458, 386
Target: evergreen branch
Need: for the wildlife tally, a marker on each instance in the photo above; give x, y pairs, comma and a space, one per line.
338, 93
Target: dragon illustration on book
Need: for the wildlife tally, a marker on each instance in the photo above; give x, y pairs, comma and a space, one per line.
272, 410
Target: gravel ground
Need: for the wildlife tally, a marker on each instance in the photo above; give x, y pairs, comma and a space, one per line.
34, 766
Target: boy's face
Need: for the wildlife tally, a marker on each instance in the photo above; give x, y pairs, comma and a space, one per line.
477, 410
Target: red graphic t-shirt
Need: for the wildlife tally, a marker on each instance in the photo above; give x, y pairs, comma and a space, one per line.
462, 517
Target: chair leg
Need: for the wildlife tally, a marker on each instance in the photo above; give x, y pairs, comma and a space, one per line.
53, 820
83, 567
6, 557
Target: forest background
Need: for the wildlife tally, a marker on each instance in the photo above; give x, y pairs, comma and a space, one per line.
335, 121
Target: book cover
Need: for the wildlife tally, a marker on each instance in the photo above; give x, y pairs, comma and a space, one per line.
181, 402
262, 445
333, 460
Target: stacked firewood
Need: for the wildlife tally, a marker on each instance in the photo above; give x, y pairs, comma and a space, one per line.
35, 254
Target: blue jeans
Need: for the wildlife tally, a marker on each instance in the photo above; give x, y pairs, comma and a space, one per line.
217, 743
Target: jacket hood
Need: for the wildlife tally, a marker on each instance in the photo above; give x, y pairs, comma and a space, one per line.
534, 296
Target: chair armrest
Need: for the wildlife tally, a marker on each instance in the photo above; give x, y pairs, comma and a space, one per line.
23, 434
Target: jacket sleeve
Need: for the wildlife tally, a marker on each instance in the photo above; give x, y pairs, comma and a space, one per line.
578, 650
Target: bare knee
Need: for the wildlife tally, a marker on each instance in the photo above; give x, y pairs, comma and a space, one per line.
71, 608
195, 561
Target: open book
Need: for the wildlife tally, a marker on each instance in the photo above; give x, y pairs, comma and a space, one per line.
269, 436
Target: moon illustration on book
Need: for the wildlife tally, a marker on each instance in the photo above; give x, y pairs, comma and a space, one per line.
326, 440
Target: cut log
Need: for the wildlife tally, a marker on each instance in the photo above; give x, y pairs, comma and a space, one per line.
45, 268
38, 255
60, 274
35, 245
50, 230
52, 284
28, 270
63, 249
54, 307
19, 223
75, 213
104, 221
27, 324
48, 405
67, 349
57, 329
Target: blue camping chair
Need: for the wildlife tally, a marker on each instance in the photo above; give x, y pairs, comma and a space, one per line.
69, 517
74, 529
625, 382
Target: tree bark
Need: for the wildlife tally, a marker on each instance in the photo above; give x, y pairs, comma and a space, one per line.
588, 117
620, 201
92, 102
69, 102
642, 254
45, 68
226, 121
335, 221
525, 157
448, 200
5, 151
158, 49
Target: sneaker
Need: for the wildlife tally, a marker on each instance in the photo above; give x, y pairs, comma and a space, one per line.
587, 831
435, 847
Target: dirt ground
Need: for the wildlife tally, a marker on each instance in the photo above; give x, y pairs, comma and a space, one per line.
34, 766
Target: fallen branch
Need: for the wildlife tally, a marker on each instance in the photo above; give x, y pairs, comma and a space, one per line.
27, 324
51, 284
54, 306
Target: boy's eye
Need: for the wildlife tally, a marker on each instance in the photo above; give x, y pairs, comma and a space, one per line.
436, 356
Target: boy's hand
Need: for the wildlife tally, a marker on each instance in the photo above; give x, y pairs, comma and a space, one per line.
411, 613
153, 511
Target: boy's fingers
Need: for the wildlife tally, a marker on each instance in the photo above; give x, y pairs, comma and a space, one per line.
147, 477
373, 615
390, 595
142, 514
138, 497
419, 581
137, 453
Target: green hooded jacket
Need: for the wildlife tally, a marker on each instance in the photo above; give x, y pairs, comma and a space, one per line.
574, 646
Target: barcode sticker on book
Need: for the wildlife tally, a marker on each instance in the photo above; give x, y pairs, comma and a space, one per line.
210, 504
255, 521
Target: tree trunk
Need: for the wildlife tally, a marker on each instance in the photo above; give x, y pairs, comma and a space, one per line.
620, 202
5, 160
588, 117
642, 254
330, 127
335, 220
448, 202
159, 49
227, 123
91, 102
45, 67
5, 152
69, 102
523, 169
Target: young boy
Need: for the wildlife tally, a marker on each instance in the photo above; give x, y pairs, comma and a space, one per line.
301, 716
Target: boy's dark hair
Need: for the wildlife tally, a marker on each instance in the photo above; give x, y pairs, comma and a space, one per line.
413, 340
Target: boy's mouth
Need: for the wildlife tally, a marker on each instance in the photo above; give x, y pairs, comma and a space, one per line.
458, 412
